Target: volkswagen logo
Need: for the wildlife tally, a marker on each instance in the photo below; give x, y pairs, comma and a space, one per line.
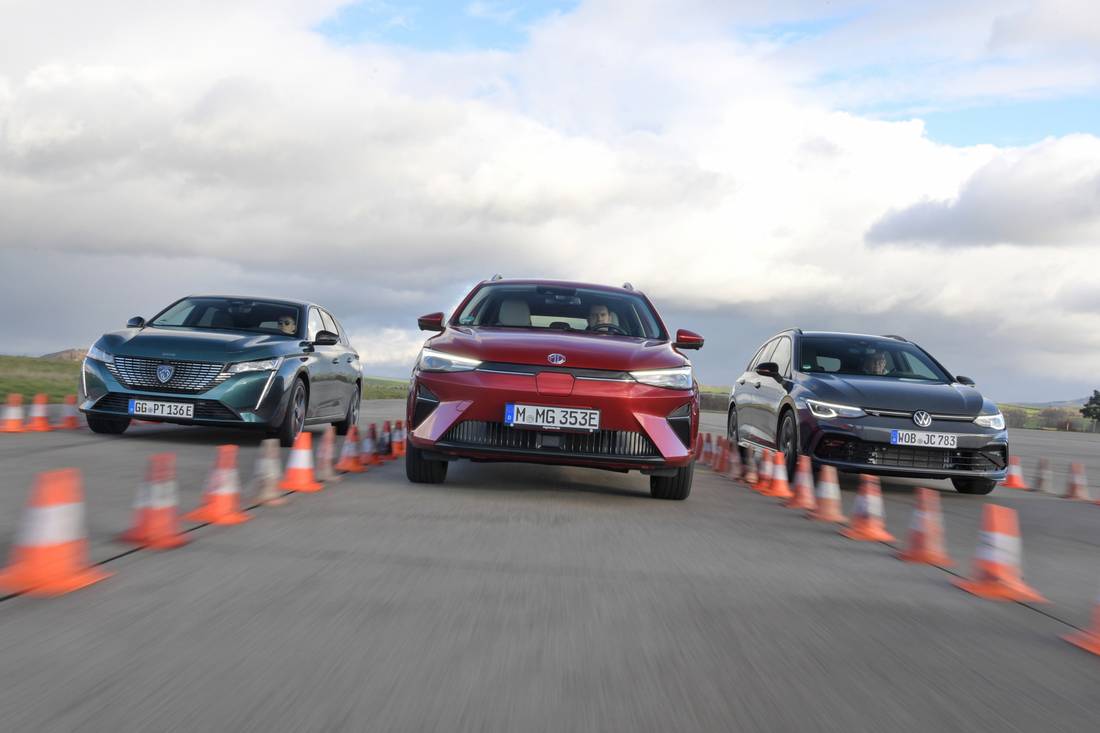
922, 419
165, 372
556, 358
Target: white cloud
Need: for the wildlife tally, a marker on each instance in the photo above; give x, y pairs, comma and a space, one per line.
652, 146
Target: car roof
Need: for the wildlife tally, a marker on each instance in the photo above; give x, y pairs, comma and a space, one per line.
286, 301
879, 336
560, 284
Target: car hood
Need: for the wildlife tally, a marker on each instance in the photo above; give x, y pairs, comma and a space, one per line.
896, 394
194, 344
581, 350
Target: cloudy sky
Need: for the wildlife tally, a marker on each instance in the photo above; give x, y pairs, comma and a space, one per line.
930, 169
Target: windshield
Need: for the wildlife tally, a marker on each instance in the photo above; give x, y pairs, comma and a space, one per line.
562, 309
868, 357
233, 314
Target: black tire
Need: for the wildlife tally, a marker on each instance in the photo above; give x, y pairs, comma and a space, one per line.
107, 425
786, 440
980, 486
421, 470
352, 416
295, 419
673, 488
731, 432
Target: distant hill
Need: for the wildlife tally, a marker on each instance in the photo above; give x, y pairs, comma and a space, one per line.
67, 355
1065, 403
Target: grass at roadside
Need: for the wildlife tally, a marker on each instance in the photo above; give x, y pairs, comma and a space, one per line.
379, 388
29, 376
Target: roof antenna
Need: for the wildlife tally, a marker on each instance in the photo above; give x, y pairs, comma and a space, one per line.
496, 277
627, 286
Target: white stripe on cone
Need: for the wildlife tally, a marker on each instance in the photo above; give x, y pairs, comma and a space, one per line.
162, 494
52, 525
13, 412
224, 481
997, 548
868, 505
300, 458
828, 490
38, 410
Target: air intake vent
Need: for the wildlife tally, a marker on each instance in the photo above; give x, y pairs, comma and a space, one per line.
608, 443
189, 377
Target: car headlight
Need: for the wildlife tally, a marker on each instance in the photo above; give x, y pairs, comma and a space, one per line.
97, 354
995, 421
678, 378
261, 365
829, 410
438, 361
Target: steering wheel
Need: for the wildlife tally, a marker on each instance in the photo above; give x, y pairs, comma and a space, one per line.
608, 327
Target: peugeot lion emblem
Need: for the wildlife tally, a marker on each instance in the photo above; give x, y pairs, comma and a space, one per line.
165, 372
922, 418
556, 358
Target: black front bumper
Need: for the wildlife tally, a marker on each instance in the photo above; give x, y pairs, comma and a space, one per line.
851, 455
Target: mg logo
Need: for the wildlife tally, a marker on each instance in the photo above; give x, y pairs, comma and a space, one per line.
556, 358
165, 372
922, 419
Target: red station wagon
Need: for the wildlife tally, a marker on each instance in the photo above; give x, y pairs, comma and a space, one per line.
542, 371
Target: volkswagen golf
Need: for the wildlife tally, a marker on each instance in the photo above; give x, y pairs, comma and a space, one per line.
229, 362
555, 372
868, 404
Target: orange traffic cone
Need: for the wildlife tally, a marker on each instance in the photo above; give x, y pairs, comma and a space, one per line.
867, 516
368, 450
997, 561
828, 498
299, 469
803, 496
265, 478
722, 459
1078, 485
1089, 639
751, 475
767, 467
69, 419
349, 454
221, 500
398, 439
1044, 477
325, 452
1015, 477
708, 450
780, 486
734, 468
50, 554
40, 416
156, 522
12, 421
926, 532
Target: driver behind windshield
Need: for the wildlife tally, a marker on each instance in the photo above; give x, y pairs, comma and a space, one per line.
875, 363
288, 324
598, 315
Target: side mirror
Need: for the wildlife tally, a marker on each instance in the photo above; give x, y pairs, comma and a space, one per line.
687, 340
965, 380
430, 322
136, 322
768, 369
326, 338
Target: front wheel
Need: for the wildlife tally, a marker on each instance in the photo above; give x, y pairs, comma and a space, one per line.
731, 433
107, 425
421, 470
352, 415
295, 418
980, 486
675, 487
788, 442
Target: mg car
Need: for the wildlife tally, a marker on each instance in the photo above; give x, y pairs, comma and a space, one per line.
235, 362
554, 372
868, 404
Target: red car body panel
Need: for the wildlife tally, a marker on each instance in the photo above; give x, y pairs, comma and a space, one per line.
624, 404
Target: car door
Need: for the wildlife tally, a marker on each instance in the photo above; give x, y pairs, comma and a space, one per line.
347, 363
772, 391
323, 396
745, 395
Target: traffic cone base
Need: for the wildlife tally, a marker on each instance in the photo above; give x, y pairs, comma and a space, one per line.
1000, 590
14, 581
867, 534
867, 517
997, 575
1015, 477
210, 515
1086, 640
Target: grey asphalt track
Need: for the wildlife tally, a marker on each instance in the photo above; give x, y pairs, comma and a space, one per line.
519, 598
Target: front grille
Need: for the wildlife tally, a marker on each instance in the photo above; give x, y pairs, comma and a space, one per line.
204, 409
189, 377
606, 443
851, 450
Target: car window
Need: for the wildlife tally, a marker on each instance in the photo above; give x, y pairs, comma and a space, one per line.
869, 357
315, 324
914, 366
782, 356
563, 308
764, 354
230, 314
330, 323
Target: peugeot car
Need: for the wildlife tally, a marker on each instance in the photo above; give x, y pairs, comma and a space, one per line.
221, 361
868, 404
555, 372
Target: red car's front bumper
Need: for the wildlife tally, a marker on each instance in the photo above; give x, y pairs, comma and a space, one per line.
461, 414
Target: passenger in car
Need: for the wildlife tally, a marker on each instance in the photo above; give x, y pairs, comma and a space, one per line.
288, 324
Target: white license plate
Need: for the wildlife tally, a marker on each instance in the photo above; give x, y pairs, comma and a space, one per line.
923, 439
162, 409
558, 418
